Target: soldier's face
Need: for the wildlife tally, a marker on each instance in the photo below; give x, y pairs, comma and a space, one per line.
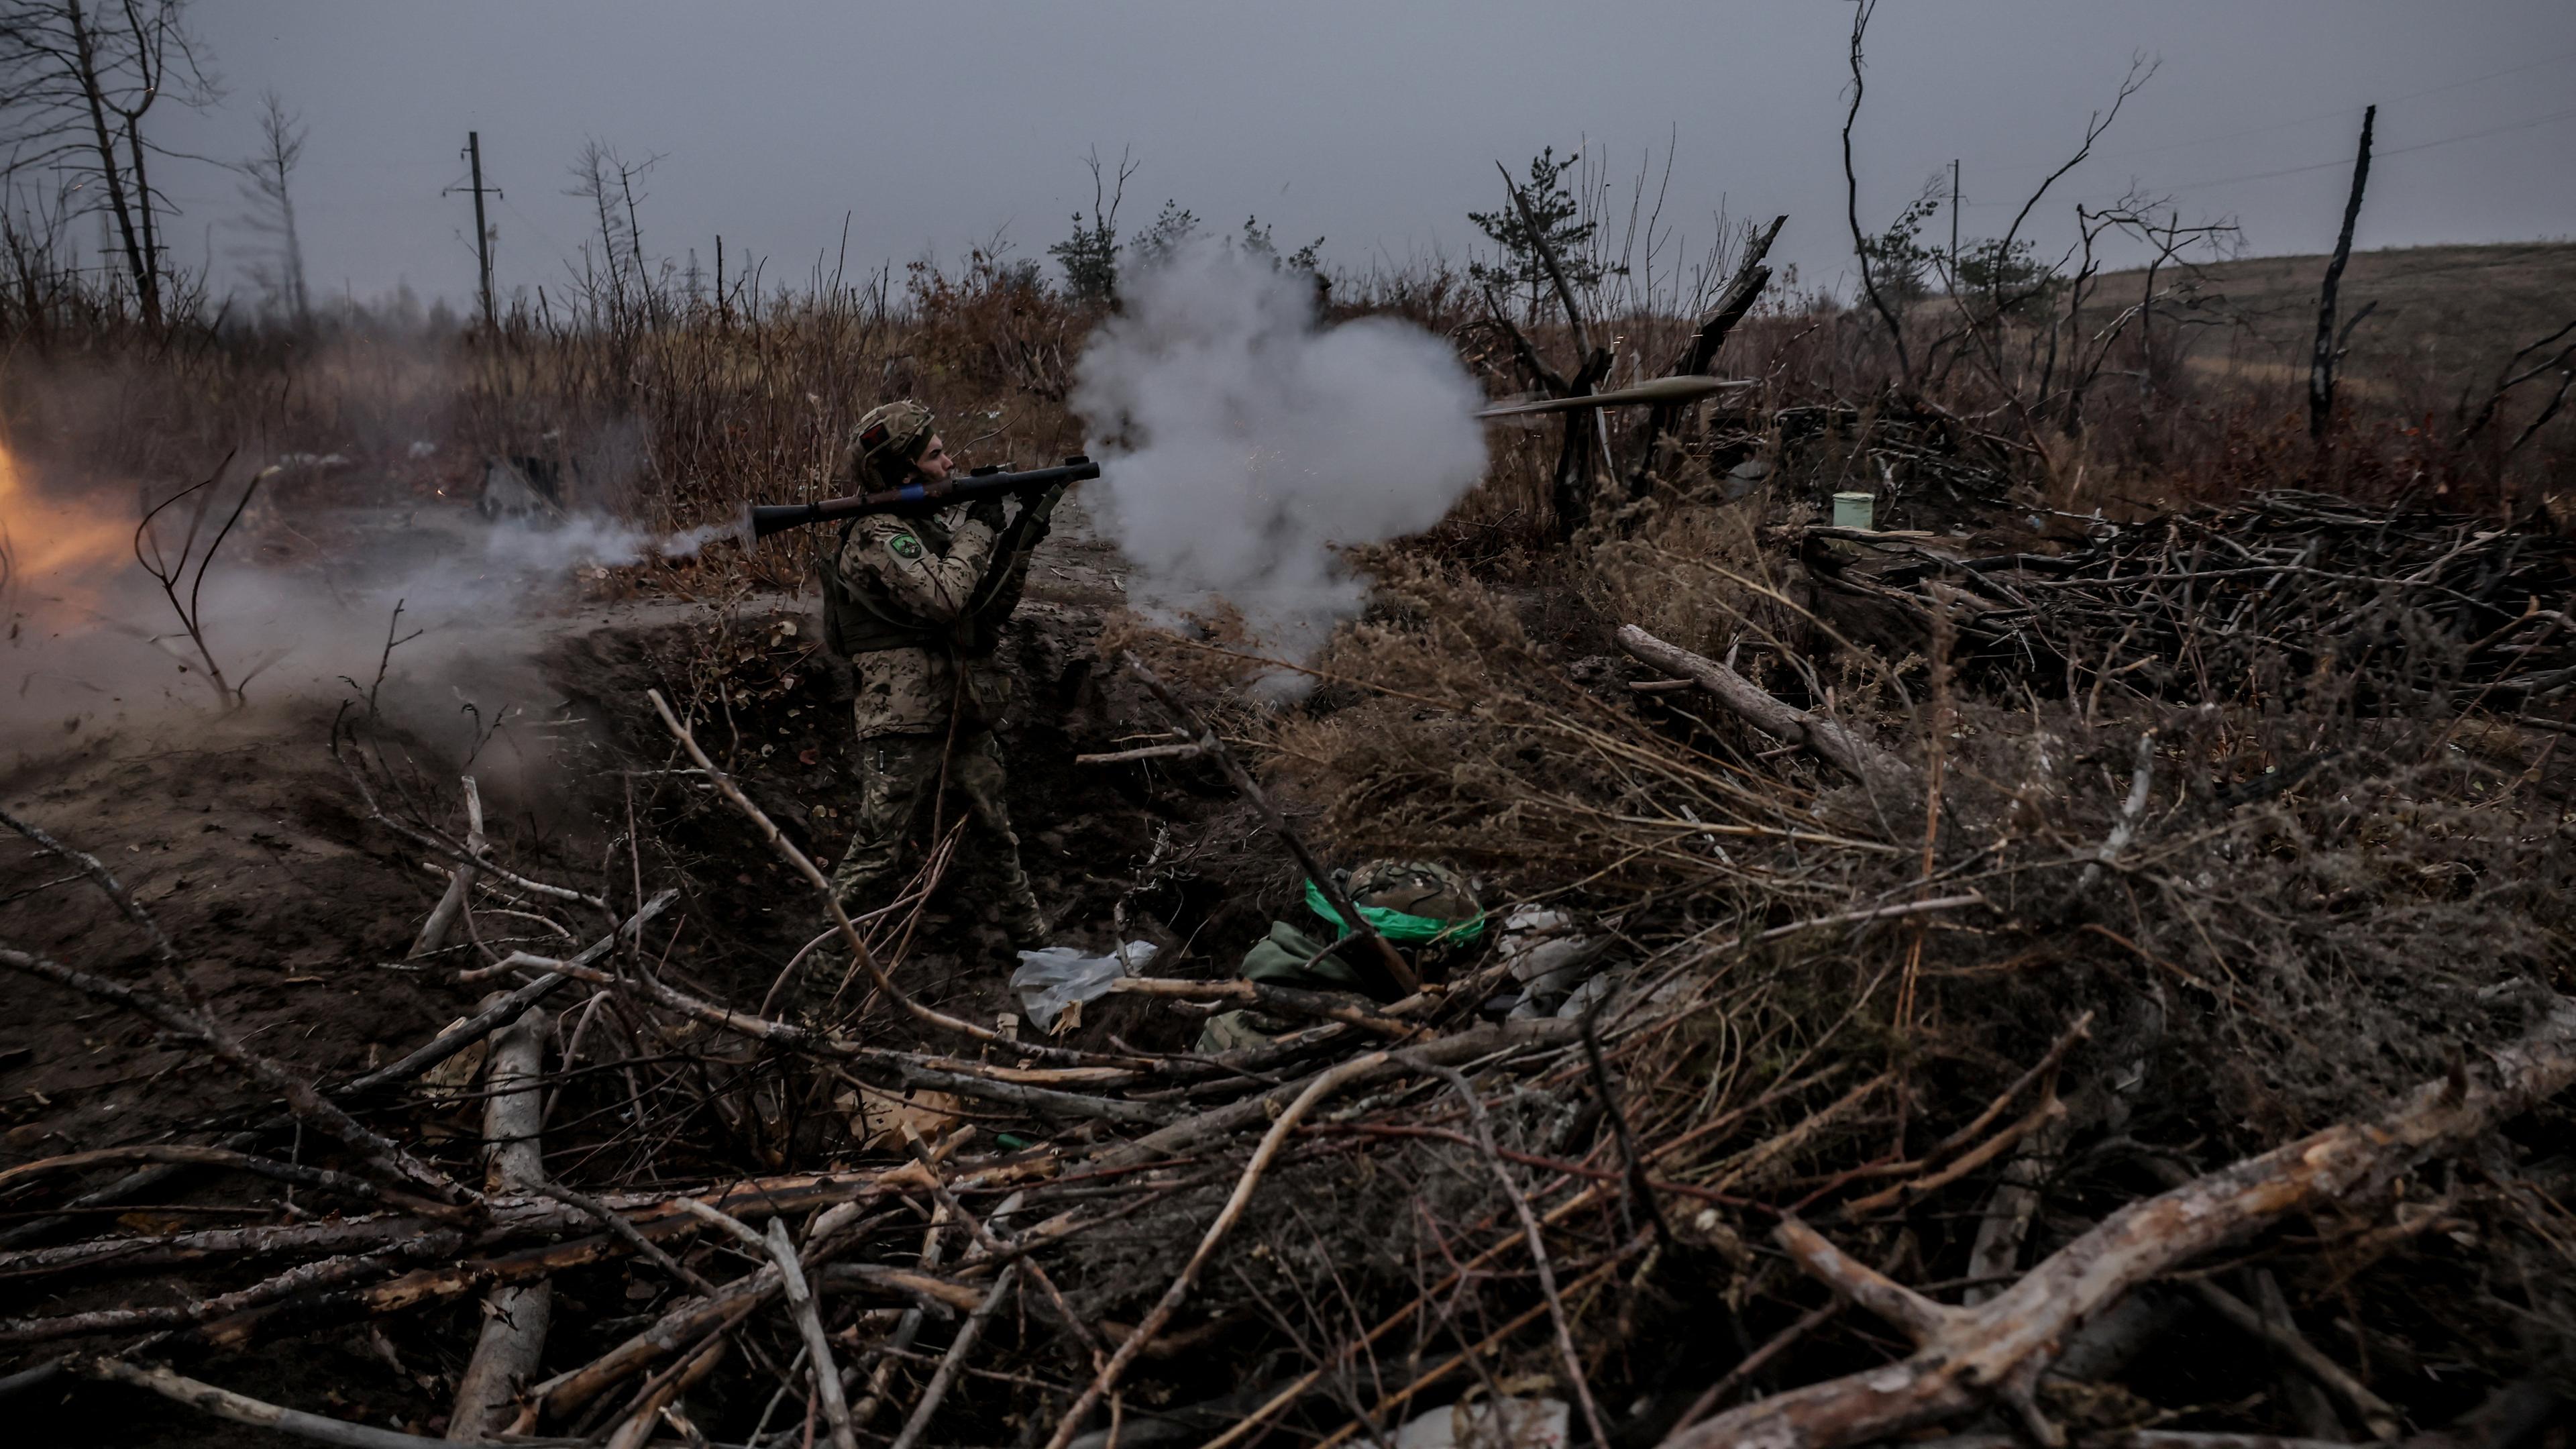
934, 462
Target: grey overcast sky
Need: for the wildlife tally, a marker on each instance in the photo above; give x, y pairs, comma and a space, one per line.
1373, 123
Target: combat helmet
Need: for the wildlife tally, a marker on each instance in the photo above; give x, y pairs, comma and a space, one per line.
889, 437
1412, 903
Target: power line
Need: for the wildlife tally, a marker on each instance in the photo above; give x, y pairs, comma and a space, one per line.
2338, 113
2345, 162
2341, 112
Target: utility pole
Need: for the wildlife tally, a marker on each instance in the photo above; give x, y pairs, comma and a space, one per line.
482, 228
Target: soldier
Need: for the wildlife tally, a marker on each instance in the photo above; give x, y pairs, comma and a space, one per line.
1422, 908
917, 606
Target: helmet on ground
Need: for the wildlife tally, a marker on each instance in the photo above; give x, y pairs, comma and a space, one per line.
1416, 888
1410, 902
890, 436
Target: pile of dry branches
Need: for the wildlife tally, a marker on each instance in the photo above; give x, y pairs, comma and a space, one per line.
2036, 1033
2284, 592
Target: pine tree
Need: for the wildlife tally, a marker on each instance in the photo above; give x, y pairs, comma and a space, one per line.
1549, 194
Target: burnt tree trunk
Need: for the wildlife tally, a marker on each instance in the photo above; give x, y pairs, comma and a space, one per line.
1742, 290
2321, 364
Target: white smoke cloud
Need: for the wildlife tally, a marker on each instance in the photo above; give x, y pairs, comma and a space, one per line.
1241, 443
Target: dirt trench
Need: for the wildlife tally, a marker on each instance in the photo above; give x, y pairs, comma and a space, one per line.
249, 843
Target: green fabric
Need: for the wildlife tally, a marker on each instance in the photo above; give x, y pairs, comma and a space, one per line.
1285, 957
1290, 957
1400, 927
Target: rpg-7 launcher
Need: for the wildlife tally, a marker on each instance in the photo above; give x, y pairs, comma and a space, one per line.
913, 500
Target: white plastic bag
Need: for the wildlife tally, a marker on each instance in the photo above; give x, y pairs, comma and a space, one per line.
1057, 977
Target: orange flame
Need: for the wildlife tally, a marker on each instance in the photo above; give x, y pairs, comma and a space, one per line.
55, 545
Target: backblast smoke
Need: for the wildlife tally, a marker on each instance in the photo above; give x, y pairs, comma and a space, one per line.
1244, 444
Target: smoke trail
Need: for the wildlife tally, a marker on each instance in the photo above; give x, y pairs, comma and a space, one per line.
89, 636
1242, 443
600, 541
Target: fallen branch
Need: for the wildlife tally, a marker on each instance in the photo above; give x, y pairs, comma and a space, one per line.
818, 1347
1042, 1101
936, 1392
458, 898
515, 1315
1349, 1007
2376, 1414
1966, 1357
638, 1427
944, 1293
1829, 741
510, 1220
323, 1273
626, 1232
1322, 1086
1453, 1050
242, 1409
307, 1102
170, 1154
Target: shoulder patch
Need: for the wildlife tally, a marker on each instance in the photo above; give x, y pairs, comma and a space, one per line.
904, 546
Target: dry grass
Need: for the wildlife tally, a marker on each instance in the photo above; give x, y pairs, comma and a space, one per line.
2257, 960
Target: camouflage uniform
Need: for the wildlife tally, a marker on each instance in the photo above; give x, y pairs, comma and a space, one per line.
1289, 956
917, 605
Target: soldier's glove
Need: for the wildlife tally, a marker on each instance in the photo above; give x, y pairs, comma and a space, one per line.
986, 511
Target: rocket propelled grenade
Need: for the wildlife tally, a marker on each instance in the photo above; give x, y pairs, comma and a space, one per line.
914, 500
1663, 390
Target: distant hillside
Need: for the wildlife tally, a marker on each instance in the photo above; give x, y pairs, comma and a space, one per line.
2447, 316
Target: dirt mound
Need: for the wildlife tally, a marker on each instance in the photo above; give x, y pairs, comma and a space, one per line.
241, 838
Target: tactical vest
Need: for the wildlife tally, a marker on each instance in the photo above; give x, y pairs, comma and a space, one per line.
856, 621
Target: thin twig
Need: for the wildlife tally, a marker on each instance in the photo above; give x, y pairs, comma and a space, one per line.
1566, 1352
946, 1374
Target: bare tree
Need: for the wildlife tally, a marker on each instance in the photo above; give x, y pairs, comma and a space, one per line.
2009, 277
1861, 13
1090, 256
75, 84
2168, 243
278, 270
606, 180
36, 252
